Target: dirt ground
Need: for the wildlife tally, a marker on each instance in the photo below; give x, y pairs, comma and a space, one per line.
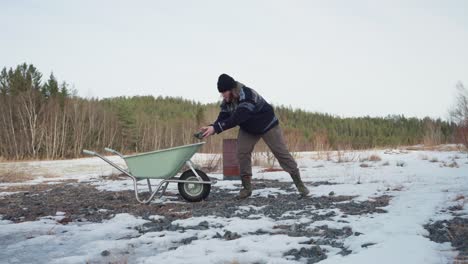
454, 231
83, 202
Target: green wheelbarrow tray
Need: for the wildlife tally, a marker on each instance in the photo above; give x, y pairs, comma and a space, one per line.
194, 184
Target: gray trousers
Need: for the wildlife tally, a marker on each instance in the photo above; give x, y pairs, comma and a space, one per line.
274, 140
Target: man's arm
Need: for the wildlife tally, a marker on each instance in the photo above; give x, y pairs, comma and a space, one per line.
243, 112
223, 115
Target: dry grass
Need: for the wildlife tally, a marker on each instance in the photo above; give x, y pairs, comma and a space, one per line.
453, 164
458, 147
212, 164
36, 187
338, 156
271, 170
460, 259
395, 151
372, 157
259, 160
459, 197
457, 207
375, 157
343, 156
116, 177
424, 156
401, 163
14, 176
459, 230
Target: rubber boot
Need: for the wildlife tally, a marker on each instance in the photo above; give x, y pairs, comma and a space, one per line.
300, 185
246, 191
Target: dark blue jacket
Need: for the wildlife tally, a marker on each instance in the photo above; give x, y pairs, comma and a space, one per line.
251, 112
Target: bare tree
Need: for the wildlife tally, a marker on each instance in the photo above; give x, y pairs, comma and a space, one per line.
459, 113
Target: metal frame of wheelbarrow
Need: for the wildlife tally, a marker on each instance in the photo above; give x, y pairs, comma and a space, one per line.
164, 182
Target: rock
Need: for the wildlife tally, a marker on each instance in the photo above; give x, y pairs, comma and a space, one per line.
366, 245
454, 231
218, 235
204, 225
313, 254
228, 235
105, 253
173, 227
331, 193
188, 240
345, 252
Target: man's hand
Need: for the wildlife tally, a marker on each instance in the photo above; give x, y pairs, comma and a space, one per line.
207, 131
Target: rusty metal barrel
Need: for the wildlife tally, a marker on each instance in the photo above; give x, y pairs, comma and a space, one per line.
231, 170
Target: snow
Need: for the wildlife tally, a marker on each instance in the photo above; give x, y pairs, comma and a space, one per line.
47, 241
420, 191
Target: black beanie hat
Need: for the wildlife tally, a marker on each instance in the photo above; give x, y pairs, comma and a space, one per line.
225, 83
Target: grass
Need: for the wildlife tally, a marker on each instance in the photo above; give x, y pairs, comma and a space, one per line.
271, 169
116, 177
442, 147
459, 230
401, 163
424, 157
342, 156
453, 164
15, 176
372, 157
34, 187
460, 259
212, 164
459, 197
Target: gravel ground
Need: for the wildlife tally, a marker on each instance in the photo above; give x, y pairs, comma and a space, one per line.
83, 202
454, 231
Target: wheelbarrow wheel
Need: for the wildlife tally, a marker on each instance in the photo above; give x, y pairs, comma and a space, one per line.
194, 192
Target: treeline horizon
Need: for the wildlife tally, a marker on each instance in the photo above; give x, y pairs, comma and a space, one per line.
45, 119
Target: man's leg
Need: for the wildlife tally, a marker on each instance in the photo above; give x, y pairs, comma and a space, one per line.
275, 141
245, 145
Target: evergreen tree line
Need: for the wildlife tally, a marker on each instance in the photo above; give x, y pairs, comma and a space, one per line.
45, 119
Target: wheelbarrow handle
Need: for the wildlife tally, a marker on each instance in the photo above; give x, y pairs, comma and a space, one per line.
113, 151
89, 152
109, 150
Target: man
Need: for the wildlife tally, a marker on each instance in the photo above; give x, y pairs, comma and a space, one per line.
244, 107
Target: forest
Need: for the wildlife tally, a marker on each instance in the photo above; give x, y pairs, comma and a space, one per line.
43, 118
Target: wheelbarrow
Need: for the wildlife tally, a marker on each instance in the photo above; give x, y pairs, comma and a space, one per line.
193, 184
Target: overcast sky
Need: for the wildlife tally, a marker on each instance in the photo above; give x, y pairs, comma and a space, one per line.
349, 58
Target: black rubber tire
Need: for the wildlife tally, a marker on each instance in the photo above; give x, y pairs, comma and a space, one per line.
205, 187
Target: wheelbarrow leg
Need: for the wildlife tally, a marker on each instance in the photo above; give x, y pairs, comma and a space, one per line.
149, 185
147, 200
164, 189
